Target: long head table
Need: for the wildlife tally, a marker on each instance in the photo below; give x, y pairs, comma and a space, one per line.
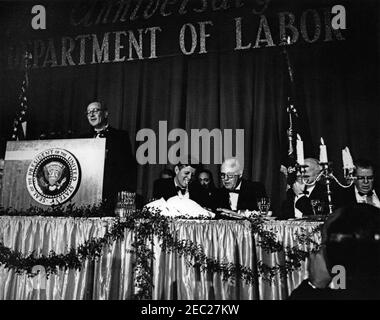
111, 276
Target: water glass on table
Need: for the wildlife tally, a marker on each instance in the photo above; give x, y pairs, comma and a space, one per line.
317, 207
126, 204
263, 205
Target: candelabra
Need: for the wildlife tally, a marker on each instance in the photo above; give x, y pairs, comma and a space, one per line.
327, 176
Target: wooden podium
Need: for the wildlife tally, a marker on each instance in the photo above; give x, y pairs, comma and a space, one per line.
52, 172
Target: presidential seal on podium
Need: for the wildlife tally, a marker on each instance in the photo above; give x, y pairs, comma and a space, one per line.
53, 176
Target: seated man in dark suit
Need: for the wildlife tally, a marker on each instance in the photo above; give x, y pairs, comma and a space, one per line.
305, 199
120, 165
180, 185
362, 191
237, 193
351, 240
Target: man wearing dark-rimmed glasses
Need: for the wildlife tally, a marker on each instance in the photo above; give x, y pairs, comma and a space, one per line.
120, 165
237, 193
363, 189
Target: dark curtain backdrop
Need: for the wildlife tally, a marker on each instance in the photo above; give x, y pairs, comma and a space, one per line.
337, 84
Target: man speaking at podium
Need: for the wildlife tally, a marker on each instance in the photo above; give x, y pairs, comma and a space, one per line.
120, 165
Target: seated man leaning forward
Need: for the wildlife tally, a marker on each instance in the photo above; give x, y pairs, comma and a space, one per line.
237, 193
179, 185
307, 196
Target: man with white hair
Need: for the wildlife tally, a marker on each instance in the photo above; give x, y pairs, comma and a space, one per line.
237, 193
307, 196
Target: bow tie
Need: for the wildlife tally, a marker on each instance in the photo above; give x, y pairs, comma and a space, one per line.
234, 191
101, 134
369, 194
183, 190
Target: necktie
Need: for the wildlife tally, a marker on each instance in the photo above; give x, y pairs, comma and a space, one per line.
234, 191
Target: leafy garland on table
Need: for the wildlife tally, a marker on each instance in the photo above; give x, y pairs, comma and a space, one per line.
90, 211
146, 224
294, 254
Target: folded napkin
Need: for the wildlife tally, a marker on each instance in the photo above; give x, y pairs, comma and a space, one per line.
180, 207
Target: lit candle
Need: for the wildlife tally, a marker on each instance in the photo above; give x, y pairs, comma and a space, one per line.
300, 154
349, 159
323, 152
344, 158
288, 40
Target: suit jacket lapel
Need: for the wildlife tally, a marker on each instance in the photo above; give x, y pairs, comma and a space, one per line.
225, 196
241, 195
172, 190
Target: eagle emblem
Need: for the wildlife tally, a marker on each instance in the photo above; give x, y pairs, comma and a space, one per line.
53, 176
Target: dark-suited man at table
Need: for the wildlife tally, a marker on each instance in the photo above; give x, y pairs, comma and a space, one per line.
363, 189
307, 196
120, 164
180, 185
237, 193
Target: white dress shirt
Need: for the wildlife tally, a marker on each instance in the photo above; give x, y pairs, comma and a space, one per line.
179, 193
98, 131
298, 213
363, 199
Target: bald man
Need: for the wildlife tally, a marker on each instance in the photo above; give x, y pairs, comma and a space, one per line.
237, 193
307, 196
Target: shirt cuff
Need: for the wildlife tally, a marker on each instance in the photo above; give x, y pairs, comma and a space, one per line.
311, 284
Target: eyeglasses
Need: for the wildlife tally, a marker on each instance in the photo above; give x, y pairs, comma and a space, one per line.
94, 111
227, 176
369, 178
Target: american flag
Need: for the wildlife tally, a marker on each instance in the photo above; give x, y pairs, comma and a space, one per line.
19, 123
296, 122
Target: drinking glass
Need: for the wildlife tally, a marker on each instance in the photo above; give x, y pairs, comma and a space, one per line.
126, 204
264, 205
317, 207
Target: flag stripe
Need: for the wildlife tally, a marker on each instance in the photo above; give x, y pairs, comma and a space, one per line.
19, 123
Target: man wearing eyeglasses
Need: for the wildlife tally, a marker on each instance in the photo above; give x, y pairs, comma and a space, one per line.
120, 165
237, 193
363, 190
